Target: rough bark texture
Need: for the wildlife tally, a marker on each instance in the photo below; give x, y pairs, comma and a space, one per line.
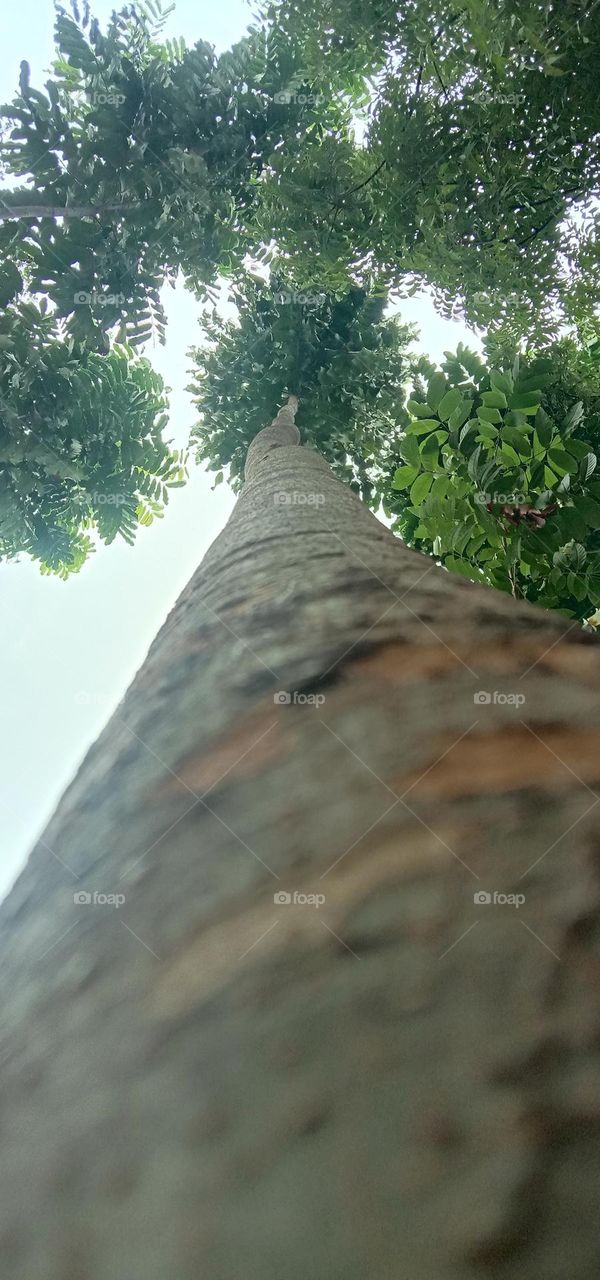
400, 1082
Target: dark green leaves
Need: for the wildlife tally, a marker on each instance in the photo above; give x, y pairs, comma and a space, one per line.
500, 494
81, 444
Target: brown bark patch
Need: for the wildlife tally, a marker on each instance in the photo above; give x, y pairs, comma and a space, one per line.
506, 759
252, 935
256, 742
404, 663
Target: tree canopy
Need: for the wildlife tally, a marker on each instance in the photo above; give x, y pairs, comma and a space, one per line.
479, 167
338, 156
343, 358
81, 442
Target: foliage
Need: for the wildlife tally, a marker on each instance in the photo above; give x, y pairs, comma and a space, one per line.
81, 445
342, 358
480, 164
152, 154
496, 477
143, 159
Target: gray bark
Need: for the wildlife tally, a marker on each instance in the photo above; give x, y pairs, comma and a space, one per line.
399, 1082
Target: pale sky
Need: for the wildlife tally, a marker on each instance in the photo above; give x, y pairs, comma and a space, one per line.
68, 650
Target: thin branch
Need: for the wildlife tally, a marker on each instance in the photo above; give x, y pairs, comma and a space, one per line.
359, 186
536, 231
365, 181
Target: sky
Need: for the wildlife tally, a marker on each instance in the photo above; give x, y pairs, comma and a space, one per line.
68, 650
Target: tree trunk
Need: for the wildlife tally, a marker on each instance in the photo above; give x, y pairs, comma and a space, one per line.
382, 1077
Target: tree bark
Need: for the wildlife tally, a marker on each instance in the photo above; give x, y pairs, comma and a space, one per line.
396, 1081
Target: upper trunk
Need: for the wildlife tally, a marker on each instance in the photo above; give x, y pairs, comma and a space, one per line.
398, 1081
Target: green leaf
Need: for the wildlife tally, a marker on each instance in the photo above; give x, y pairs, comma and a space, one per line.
587, 466
404, 476
421, 428
573, 418
462, 567
430, 451
590, 510
494, 399
436, 390
527, 402
488, 415
409, 451
420, 410
518, 440
501, 382
441, 487
562, 461
544, 428
449, 403
460, 414
421, 488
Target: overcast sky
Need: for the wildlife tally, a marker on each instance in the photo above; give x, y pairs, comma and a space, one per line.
68, 650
